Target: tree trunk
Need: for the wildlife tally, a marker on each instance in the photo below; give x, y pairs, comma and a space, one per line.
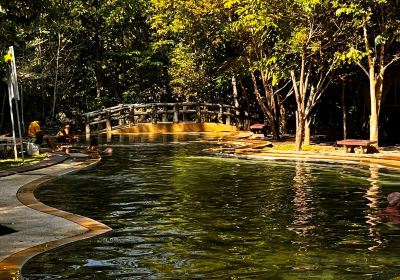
276, 130
373, 119
246, 120
375, 85
235, 96
283, 122
282, 115
307, 133
344, 114
300, 127
300, 113
97, 70
42, 81
55, 90
2, 110
272, 105
258, 96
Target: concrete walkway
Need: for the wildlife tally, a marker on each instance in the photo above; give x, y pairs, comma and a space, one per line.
38, 227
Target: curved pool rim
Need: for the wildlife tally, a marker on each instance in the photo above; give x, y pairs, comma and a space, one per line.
12, 265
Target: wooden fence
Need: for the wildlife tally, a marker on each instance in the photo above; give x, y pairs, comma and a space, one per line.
123, 115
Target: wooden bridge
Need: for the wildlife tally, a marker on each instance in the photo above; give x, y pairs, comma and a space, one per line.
129, 115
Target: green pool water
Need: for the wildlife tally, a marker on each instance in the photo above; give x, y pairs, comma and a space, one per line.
180, 213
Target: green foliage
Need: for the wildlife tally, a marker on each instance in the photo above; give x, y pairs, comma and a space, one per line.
97, 53
350, 56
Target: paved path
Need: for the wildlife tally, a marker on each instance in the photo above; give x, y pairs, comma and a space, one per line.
37, 231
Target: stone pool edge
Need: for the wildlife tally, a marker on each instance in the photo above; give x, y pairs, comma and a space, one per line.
388, 160
11, 266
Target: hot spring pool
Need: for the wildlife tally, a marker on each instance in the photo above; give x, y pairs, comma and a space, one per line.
179, 213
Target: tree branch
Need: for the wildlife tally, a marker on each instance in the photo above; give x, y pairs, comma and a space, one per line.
363, 68
397, 57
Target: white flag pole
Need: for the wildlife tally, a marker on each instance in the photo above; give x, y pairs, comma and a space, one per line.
14, 82
10, 94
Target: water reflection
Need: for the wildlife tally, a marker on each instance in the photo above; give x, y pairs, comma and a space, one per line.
303, 199
110, 138
372, 215
374, 189
178, 213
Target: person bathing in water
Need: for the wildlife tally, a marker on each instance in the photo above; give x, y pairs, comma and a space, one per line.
392, 211
93, 147
65, 135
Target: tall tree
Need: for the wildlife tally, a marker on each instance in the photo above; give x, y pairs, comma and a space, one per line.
316, 37
373, 44
257, 27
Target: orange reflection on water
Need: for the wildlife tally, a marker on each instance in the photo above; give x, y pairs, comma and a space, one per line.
302, 198
372, 216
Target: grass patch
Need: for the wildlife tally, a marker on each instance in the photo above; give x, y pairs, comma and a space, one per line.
308, 148
11, 163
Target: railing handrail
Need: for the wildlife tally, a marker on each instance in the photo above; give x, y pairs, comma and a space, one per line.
139, 112
149, 105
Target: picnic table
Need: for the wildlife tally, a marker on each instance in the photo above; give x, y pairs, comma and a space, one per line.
258, 128
350, 144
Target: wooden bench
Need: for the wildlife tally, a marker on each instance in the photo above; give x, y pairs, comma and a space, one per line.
258, 128
349, 145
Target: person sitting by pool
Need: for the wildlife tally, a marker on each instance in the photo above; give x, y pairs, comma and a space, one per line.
392, 211
93, 147
65, 135
37, 135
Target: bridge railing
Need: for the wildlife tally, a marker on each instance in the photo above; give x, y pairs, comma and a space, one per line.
121, 115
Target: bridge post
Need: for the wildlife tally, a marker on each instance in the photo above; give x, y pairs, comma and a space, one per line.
153, 113
121, 120
184, 108
176, 113
198, 113
87, 127
228, 116
108, 121
208, 117
165, 115
219, 116
131, 115
143, 117
99, 123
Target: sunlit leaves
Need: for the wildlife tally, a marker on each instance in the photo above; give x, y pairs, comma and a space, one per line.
380, 40
187, 75
308, 6
351, 56
230, 3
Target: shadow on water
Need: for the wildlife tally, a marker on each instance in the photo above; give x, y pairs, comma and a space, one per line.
180, 213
